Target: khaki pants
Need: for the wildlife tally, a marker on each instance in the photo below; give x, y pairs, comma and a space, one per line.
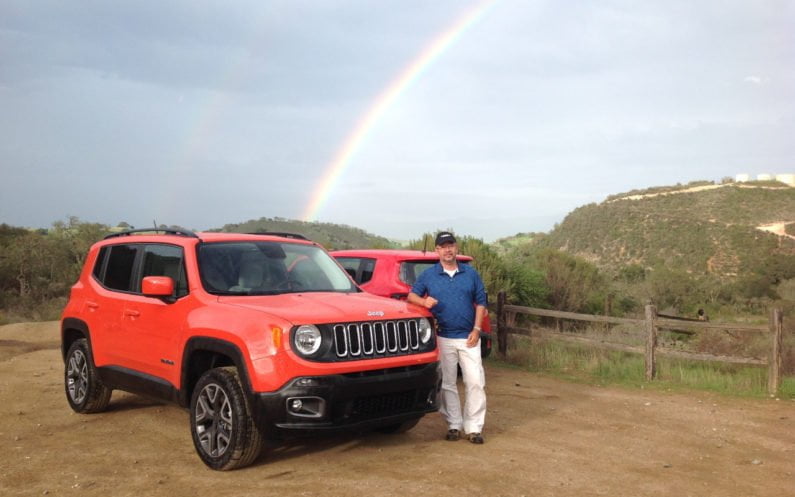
452, 352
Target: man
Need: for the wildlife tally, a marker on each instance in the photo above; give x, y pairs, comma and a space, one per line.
457, 298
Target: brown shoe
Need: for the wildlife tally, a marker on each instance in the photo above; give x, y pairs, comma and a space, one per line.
475, 438
452, 435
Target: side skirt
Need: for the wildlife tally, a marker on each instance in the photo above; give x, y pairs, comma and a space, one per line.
136, 382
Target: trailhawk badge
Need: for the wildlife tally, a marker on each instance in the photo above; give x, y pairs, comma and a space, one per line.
375, 313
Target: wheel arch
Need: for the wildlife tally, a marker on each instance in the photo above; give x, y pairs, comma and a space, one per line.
204, 353
73, 329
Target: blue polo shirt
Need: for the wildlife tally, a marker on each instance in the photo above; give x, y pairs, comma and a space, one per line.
457, 296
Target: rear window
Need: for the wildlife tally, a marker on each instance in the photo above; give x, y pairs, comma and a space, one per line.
118, 274
410, 270
360, 268
99, 265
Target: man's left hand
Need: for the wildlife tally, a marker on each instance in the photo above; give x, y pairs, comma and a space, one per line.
472, 339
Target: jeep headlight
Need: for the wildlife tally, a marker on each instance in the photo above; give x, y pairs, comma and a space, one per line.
425, 330
307, 339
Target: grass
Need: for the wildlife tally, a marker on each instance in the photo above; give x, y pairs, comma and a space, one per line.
49, 310
605, 367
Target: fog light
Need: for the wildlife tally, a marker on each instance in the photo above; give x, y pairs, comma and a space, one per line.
306, 407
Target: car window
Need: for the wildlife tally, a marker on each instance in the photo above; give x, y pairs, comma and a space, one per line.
360, 268
410, 270
99, 264
119, 269
165, 260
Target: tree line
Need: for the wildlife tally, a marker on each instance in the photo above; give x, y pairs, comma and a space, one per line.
37, 268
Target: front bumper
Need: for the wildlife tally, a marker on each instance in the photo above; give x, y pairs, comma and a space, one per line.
353, 401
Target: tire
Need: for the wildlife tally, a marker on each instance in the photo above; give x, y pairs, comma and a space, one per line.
221, 423
84, 390
399, 427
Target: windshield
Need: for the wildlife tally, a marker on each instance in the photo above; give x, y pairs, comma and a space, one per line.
269, 268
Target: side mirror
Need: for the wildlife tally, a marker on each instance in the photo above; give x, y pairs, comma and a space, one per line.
157, 286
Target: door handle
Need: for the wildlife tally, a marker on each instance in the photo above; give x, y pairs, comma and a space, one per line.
132, 313
92, 305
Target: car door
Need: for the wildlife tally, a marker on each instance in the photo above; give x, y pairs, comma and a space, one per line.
152, 325
111, 288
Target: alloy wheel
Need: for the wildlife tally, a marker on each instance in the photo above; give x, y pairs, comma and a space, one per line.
77, 377
214, 420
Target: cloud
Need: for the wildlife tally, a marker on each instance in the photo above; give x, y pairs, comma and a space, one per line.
757, 80
201, 114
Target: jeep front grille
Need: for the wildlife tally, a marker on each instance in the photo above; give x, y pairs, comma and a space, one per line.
376, 339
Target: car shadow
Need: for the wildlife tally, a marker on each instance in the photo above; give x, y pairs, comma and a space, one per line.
287, 449
129, 402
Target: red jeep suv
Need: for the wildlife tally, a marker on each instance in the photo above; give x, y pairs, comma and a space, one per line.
391, 273
258, 335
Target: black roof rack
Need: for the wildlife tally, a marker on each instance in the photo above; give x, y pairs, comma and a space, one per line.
173, 230
280, 233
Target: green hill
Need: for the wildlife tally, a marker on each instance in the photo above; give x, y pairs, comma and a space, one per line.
711, 231
331, 236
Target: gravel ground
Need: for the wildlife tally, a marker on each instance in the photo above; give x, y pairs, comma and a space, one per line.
544, 437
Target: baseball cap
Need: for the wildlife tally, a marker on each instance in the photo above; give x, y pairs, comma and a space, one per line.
444, 237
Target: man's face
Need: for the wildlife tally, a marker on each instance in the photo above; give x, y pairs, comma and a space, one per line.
447, 252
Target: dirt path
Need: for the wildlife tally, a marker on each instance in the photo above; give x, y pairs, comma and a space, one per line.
700, 188
685, 190
544, 437
778, 228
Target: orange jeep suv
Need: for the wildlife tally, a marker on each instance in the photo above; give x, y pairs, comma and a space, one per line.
258, 335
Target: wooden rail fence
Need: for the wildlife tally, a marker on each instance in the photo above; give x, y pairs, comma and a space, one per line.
653, 322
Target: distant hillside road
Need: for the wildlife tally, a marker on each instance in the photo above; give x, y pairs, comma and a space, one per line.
778, 228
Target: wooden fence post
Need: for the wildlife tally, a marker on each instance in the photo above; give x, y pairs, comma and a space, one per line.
502, 332
651, 341
775, 361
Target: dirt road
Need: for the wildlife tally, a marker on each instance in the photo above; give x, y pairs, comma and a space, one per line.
544, 437
779, 228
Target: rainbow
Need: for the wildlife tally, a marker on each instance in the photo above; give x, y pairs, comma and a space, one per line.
385, 100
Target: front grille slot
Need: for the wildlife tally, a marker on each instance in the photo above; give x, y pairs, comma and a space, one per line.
376, 339
380, 338
368, 341
340, 341
354, 338
391, 337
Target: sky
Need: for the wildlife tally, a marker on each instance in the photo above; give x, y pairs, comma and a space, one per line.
400, 117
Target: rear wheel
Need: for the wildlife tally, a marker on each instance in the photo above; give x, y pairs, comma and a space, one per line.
84, 390
223, 429
485, 346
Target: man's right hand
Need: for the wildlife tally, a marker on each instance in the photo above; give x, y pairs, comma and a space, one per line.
429, 302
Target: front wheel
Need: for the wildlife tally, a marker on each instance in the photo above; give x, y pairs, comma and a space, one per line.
84, 390
222, 426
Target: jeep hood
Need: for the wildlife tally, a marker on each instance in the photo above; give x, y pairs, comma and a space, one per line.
327, 307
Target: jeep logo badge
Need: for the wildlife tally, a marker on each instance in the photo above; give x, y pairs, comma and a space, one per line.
375, 313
